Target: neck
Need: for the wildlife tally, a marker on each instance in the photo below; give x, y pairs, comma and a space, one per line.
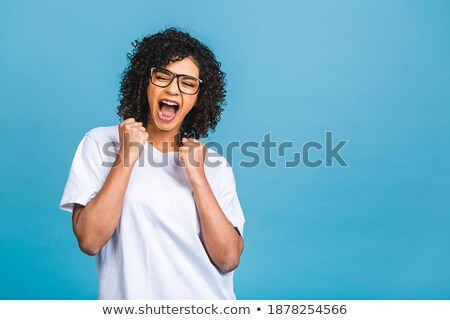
164, 141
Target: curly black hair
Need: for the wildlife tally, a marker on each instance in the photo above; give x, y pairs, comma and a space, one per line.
159, 50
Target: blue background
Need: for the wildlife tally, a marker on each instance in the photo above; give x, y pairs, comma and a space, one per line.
375, 73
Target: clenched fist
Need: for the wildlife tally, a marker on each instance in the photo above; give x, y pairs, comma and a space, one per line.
132, 137
192, 154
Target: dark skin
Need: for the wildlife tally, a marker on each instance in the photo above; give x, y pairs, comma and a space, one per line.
95, 223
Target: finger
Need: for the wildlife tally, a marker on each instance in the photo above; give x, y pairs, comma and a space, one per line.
129, 120
195, 142
138, 125
133, 125
189, 144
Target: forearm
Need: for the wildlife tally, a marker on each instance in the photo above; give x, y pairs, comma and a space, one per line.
223, 244
95, 223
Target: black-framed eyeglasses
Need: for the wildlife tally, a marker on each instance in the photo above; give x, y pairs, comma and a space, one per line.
163, 78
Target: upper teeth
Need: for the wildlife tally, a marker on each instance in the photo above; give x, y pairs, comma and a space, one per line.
170, 103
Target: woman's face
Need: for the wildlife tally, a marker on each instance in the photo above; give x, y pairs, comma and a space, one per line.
164, 114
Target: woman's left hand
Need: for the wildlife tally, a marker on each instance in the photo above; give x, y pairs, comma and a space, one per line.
192, 154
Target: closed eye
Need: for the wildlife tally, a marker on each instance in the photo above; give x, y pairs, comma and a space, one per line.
188, 84
162, 78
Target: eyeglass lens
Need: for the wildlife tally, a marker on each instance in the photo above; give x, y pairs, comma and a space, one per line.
186, 84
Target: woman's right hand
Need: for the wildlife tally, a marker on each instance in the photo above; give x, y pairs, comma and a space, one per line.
95, 223
132, 136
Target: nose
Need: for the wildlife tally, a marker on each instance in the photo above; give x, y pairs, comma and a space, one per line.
173, 89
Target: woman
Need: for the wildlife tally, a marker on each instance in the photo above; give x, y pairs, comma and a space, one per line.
162, 217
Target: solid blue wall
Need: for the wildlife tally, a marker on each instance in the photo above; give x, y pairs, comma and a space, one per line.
374, 73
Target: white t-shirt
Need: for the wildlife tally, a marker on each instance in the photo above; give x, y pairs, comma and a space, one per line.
156, 251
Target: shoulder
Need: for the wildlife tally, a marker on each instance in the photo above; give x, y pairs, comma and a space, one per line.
103, 141
217, 168
104, 135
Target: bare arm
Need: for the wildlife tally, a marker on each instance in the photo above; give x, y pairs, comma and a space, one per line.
94, 224
223, 242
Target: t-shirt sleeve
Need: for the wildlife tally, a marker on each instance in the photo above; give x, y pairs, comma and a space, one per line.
229, 200
86, 176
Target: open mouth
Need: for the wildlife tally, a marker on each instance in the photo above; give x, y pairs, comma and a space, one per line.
167, 109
